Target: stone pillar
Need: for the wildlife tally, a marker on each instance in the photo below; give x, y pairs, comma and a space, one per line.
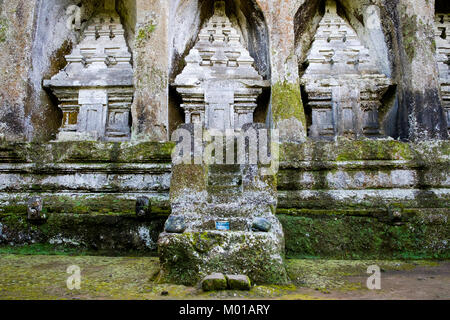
287, 109
150, 107
420, 116
16, 36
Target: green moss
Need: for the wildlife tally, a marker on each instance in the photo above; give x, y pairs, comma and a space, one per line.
287, 102
353, 237
3, 29
43, 249
44, 277
322, 153
144, 33
187, 258
325, 275
373, 150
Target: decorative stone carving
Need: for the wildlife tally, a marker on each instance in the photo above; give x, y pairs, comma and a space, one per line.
95, 89
219, 85
442, 32
34, 209
343, 84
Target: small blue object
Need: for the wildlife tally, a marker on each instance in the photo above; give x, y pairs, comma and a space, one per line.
223, 226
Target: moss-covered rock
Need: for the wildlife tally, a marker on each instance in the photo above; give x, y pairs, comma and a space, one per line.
214, 282
334, 235
187, 258
238, 282
288, 113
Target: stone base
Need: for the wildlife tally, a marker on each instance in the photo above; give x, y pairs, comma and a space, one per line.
188, 257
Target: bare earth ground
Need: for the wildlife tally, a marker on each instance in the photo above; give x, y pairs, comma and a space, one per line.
44, 277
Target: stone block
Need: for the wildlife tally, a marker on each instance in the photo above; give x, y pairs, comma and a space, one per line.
187, 258
175, 224
214, 282
261, 225
238, 282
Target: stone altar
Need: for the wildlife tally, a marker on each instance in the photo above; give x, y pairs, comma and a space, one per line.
95, 89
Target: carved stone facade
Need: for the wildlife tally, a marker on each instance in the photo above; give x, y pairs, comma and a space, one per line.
219, 85
343, 84
442, 28
95, 89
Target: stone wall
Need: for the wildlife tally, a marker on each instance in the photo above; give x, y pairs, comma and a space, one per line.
336, 199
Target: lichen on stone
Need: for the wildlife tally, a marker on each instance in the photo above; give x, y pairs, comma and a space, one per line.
3, 29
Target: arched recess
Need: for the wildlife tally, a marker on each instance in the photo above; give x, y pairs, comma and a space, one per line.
366, 20
53, 40
189, 16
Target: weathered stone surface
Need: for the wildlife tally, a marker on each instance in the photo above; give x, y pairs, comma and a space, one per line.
277, 34
442, 34
175, 224
343, 84
238, 282
16, 39
219, 85
187, 258
214, 282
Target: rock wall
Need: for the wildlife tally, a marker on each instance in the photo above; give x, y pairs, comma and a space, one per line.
345, 199
398, 33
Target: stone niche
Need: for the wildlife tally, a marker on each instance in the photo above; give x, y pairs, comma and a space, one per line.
188, 18
342, 84
95, 89
219, 85
442, 33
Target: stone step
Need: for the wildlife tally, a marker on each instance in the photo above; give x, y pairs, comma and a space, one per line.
235, 190
222, 198
225, 210
225, 180
224, 169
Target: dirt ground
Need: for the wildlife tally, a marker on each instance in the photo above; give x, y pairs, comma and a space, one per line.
45, 277
420, 283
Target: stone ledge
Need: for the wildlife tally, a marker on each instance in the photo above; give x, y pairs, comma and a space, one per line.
85, 152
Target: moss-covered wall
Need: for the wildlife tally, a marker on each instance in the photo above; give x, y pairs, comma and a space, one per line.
363, 199
344, 199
